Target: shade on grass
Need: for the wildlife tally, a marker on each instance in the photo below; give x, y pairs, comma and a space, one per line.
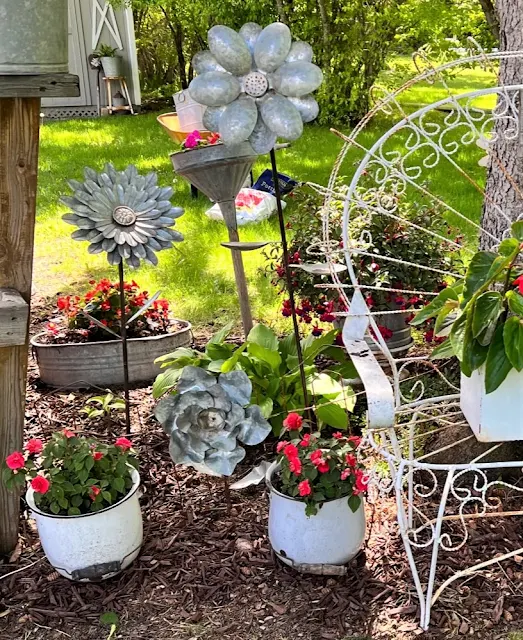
196, 275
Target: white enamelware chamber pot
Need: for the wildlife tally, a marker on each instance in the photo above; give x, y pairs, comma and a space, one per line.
93, 546
189, 112
331, 537
496, 416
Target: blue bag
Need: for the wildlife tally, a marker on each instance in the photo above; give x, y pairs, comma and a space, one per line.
266, 183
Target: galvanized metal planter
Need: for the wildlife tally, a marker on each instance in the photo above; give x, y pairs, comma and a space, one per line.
34, 37
100, 363
112, 66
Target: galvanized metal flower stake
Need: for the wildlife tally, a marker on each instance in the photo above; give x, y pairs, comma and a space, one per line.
129, 217
257, 86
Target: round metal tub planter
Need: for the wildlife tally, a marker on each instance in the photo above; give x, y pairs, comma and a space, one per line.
93, 546
319, 544
34, 37
101, 363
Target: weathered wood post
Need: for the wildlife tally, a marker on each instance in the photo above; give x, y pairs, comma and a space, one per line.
19, 137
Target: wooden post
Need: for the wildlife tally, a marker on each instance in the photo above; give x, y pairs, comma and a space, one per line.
19, 137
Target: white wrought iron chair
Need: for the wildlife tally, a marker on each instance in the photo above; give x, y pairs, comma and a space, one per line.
422, 149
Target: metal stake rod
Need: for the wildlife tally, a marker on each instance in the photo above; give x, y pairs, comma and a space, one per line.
288, 276
123, 334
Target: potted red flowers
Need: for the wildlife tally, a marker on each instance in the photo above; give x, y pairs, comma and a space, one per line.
79, 349
83, 495
316, 485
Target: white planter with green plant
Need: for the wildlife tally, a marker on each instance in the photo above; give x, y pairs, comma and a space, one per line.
486, 335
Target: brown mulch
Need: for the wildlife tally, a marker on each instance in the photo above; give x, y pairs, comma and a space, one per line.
206, 574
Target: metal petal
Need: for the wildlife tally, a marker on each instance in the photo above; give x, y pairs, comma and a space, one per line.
272, 46
262, 139
214, 88
113, 257
211, 117
151, 257
195, 379
282, 117
255, 428
108, 245
237, 385
238, 121
124, 250
224, 462
307, 106
133, 261
229, 49
300, 52
139, 251
95, 248
204, 61
297, 79
250, 32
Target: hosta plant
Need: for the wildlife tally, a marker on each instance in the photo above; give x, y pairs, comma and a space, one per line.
484, 312
272, 367
72, 475
315, 469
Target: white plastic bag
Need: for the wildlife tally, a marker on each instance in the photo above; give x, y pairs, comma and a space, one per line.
251, 206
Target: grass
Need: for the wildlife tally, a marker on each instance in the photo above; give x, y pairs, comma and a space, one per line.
196, 276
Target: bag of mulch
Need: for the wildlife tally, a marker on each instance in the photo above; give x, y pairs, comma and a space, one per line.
266, 183
251, 206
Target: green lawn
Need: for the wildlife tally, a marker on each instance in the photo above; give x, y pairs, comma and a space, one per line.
196, 276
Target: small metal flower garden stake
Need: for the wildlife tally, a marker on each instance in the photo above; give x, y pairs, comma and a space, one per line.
129, 217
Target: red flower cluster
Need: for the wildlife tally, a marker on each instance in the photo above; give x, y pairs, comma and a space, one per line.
103, 303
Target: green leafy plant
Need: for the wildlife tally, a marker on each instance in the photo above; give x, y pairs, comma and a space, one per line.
105, 51
317, 469
272, 367
104, 406
72, 475
486, 313
110, 619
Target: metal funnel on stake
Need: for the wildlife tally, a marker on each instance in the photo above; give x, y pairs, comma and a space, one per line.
220, 172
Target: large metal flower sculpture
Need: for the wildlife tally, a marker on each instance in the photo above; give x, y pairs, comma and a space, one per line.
256, 84
208, 416
123, 213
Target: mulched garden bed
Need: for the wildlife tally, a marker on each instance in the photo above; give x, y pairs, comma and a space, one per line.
205, 574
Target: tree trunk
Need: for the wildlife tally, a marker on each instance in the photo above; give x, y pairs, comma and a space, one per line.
177, 31
282, 14
491, 16
504, 189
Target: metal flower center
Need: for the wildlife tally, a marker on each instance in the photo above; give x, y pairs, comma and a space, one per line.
255, 84
124, 216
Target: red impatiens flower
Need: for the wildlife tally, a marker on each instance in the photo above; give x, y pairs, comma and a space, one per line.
290, 451
323, 466
214, 138
280, 446
338, 435
68, 434
295, 465
350, 459
316, 331
105, 306
518, 282
316, 455
356, 440
362, 481
123, 444
304, 488
98, 455
94, 492
293, 422
40, 484
374, 267
346, 473
35, 445
306, 440
15, 461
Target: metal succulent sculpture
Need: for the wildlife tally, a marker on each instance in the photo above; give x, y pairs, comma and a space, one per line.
123, 213
257, 84
208, 417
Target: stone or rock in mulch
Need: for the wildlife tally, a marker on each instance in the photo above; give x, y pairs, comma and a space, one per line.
204, 574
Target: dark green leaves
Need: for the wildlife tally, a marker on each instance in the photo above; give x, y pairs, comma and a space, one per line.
487, 310
444, 350
517, 230
498, 365
513, 341
457, 336
263, 336
477, 273
515, 302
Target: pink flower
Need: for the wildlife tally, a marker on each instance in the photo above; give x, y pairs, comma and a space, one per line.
123, 444
192, 140
67, 433
94, 492
290, 451
374, 267
280, 446
304, 488
350, 459
518, 282
98, 455
35, 445
338, 435
346, 473
40, 484
362, 481
323, 466
355, 440
305, 442
293, 422
295, 465
15, 461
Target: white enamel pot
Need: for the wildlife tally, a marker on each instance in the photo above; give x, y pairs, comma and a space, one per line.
312, 544
92, 546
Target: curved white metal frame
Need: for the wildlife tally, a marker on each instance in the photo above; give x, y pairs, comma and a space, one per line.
397, 424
